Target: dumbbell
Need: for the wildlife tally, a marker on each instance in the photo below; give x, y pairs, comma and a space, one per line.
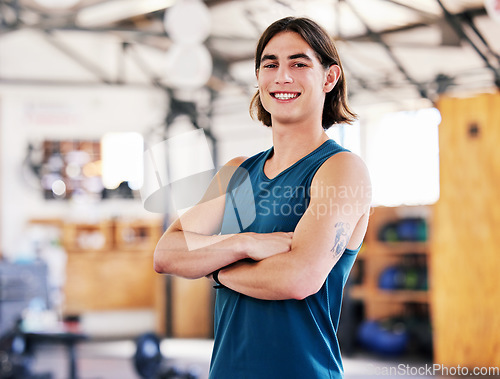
147, 358
150, 364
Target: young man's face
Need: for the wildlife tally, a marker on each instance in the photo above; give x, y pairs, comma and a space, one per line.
292, 81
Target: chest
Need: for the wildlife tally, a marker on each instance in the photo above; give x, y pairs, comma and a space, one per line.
266, 206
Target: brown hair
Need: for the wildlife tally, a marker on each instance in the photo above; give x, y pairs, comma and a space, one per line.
335, 109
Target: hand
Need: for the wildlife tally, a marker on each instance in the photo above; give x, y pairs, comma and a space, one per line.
264, 245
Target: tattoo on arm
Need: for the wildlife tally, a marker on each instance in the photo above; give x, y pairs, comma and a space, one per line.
342, 235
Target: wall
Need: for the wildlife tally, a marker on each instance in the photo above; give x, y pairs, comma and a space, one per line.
35, 113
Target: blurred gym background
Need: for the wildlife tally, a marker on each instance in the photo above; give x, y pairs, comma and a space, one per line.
91, 90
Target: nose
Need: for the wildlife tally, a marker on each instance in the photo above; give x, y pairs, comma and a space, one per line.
283, 75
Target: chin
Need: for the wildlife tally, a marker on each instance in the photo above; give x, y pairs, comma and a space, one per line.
285, 120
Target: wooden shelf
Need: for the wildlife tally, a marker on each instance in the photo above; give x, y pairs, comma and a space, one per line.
376, 256
405, 296
110, 266
377, 248
359, 292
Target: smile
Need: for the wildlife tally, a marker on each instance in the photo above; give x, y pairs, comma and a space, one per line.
285, 95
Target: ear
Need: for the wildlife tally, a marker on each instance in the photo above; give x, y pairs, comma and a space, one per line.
332, 77
257, 74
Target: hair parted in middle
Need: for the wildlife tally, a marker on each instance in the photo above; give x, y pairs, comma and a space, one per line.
335, 109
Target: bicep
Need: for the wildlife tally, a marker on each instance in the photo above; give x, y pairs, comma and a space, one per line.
322, 235
338, 207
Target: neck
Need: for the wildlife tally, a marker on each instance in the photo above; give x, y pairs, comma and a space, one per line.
292, 142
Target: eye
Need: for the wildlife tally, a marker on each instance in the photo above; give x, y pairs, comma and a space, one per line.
270, 65
300, 64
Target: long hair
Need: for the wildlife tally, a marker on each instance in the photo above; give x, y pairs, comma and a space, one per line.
335, 109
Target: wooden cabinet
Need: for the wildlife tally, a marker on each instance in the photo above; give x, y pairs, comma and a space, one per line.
191, 308
88, 237
111, 281
109, 266
407, 260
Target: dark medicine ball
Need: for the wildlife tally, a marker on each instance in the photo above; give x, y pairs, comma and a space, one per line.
382, 340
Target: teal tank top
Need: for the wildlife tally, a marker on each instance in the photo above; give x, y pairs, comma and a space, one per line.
285, 339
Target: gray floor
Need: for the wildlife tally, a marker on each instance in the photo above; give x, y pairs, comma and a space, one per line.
113, 360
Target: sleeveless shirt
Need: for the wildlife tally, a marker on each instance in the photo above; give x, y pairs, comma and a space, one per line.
289, 339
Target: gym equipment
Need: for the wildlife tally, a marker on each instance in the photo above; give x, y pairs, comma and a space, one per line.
409, 274
406, 229
420, 332
150, 364
388, 233
147, 357
423, 280
16, 357
391, 278
390, 338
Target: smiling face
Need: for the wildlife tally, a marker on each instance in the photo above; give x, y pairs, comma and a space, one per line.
292, 81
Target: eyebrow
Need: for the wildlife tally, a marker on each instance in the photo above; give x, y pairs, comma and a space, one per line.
291, 57
300, 55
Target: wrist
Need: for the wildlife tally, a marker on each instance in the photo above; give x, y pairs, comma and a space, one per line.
215, 277
244, 245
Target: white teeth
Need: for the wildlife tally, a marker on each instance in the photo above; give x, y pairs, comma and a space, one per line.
285, 96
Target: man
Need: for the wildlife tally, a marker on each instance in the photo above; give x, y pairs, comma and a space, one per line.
281, 234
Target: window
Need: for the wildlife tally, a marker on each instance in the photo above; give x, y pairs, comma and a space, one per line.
122, 159
402, 154
347, 136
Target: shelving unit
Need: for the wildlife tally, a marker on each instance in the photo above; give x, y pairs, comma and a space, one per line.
110, 267
377, 255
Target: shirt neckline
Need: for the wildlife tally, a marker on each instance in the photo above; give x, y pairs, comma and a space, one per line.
268, 153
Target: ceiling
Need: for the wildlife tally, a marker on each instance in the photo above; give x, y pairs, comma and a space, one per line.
392, 50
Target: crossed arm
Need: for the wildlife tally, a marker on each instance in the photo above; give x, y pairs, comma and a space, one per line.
281, 265
192, 247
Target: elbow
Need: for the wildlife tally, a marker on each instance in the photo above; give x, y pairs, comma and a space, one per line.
303, 292
160, 257
160, 265
162, 260
306, 286
166, 264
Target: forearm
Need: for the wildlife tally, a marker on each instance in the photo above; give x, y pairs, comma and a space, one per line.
193, 256
280, 277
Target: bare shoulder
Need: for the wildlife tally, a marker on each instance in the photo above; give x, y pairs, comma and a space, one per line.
226, 172
221, 179
344, 171
343, 166
236, 162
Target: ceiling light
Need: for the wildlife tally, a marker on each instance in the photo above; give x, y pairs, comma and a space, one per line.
188, 66
59, 4
188, 21
109, 12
